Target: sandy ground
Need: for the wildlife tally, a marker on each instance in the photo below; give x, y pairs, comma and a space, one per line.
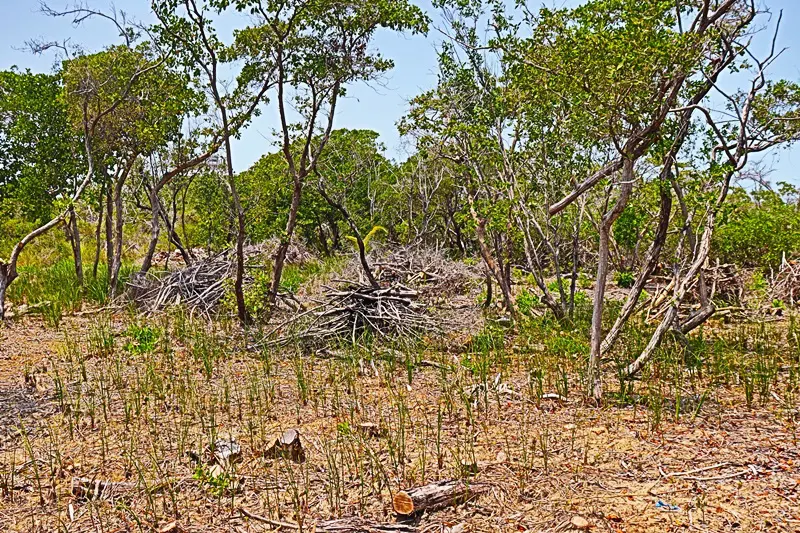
728, 469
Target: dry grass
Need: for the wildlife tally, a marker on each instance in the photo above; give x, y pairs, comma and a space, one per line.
136, 413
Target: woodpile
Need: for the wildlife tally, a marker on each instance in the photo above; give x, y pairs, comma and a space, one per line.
199, 286
786, 285
96, 489
352, 311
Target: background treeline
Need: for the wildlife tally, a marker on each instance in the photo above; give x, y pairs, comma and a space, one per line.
601, 142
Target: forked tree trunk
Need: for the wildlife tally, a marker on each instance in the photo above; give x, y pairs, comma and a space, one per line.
653, 255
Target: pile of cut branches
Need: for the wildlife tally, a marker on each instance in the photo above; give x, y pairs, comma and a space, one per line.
351, 311
199, 286
427, 268
786, 285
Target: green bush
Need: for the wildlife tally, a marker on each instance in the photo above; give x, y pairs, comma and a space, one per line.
624, 279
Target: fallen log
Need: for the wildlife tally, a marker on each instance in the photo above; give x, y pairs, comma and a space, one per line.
342, 525
96, 489
434, 496
359, 525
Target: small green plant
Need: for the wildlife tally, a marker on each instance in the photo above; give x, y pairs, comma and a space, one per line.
526, 301
216, 480
142, 339
624, 279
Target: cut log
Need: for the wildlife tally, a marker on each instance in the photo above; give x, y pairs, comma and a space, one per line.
359, 525
287, 446
342, 525
434, 496
96, 489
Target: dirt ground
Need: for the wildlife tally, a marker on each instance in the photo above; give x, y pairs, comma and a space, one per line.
552, 466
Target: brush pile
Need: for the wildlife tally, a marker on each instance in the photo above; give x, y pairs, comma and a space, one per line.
200, 286
786, 285
354, 310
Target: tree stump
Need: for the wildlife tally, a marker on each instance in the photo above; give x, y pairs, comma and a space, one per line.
287, 446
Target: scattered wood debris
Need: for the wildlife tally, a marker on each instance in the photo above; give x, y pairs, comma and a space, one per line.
96, 489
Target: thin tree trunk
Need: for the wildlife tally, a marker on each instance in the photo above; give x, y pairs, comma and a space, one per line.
75, 241
174, 238
362, 249
283, 247
155, 230
118, 233
6, 277
98, 232
109, 230
486, 254
595, 373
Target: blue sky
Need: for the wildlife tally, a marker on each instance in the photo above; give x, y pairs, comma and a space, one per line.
377, 106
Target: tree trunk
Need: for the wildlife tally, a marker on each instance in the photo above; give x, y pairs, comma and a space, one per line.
174, 238
6, 277
118, 235
98, 232
595, 372
109, 231
283, 248
155, 230
653, 255
75, 242
362, 249
241, 308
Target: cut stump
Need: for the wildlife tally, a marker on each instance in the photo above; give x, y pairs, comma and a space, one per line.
287, 446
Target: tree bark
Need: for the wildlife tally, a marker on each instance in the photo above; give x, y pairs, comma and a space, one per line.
75, 242
434, 496
6, 278
595, 373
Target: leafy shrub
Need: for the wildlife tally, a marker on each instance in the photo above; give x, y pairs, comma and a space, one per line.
624, 279
142, 339
759, 228
526, 301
